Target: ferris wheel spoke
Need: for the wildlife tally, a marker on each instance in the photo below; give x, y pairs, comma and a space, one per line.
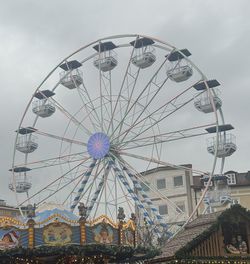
146, 90
139, 177
160, 162
165, 137
119, 174
90, 110
98, 199
71, 141
55, 181
107, 115
147, 95
89, 187
106, 81
83, 92
124, 199
69, 116
122, 85
97, 172
59, 160
145, 198
95, 196
98, 203
169, 107
162, 112
78, 183
102, 86
87, 174
68, 182
111, 103
149, 99
131, 81
163, 117
109, 205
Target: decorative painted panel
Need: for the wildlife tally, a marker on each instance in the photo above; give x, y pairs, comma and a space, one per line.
9, 238
57, 234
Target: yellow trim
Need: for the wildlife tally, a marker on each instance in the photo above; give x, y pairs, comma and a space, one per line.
83, 233
31, 237
121, 237
6, 221
130, 224
100, 219
57, 216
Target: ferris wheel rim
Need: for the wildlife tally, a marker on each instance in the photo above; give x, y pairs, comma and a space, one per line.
114, 37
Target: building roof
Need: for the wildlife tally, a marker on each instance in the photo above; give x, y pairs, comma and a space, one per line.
242, 179
164, 168
5, 206
8, 207
191, 231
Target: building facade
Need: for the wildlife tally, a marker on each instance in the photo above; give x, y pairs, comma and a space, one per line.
237, 185
7, 210
170, 191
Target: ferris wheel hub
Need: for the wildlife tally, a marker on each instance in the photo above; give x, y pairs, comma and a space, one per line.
98, 145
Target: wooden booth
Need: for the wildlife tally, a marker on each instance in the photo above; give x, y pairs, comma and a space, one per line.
222, 237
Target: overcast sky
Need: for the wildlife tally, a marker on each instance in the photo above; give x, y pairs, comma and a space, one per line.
35, 35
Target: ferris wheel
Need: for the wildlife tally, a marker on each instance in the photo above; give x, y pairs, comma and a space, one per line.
111, 110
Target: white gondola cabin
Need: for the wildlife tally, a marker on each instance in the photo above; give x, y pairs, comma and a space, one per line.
180, 73
218, 193
217, 198
144, 53
21, 184
26, 142
42, 107
71, 77
106, 59
202, 100
203, 103
226, 145
179, 70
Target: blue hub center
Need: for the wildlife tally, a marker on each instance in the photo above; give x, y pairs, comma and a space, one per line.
98, 145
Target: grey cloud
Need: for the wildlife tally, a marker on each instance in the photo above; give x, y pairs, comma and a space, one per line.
36, 35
